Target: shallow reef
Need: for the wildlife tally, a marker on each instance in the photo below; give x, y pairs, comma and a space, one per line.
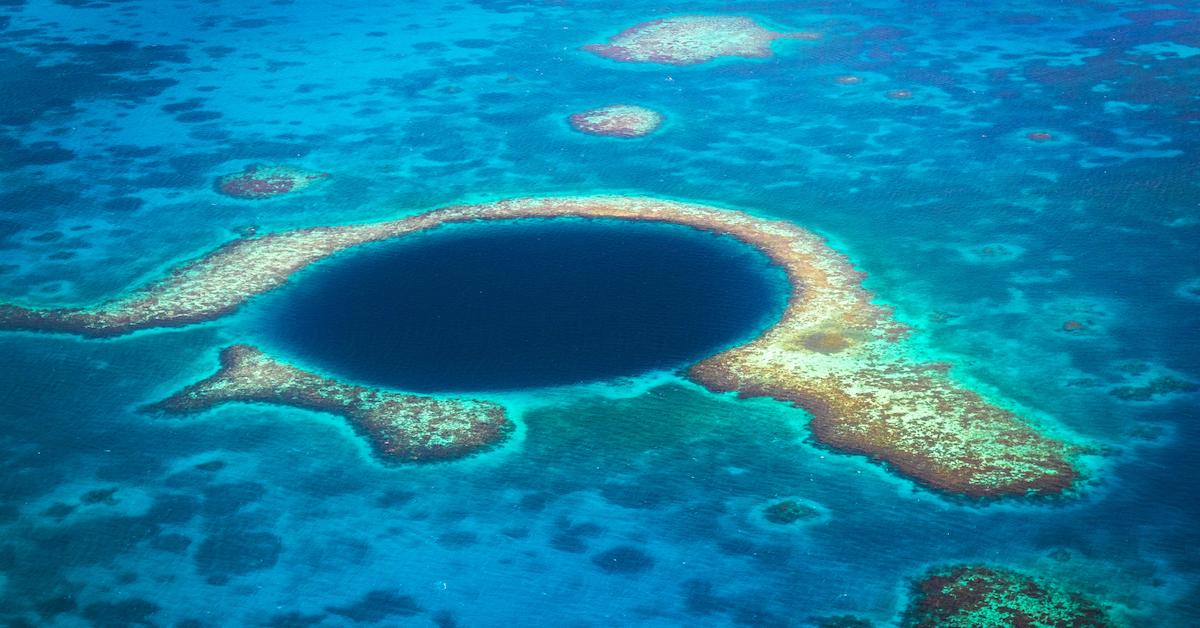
789, 511
617, 121
834, 352
692, 39
257, 181
970, 596
400, 427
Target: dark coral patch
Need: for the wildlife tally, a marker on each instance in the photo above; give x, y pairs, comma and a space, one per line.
841, 621
789, 511
55, 606
235, 553
173, 508
14, 155
59, 510
474, 43
226, 499
457, 539
256, 22
48, 236
569, 543
623, 560
10, 228
192, 117
134, 612
173, 543
105, 496
190, 104
1164, 385
294, 619
394, 498
34, 89
378, 606
37, 198
211, 466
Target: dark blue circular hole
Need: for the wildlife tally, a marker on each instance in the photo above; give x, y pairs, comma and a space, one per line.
522, 304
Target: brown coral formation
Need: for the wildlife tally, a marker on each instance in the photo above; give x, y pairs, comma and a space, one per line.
617, 121
399, 426
258, 181
834, 352
969, 596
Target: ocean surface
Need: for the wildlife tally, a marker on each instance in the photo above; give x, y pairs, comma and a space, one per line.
1018, 180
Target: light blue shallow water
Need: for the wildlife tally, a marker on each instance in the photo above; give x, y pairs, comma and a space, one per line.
116, 117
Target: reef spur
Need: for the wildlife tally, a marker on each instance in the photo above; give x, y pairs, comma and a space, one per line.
400, 427
833, 352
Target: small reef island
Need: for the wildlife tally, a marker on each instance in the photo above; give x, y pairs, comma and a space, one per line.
833, 352
692, 39
257, 182
617, 121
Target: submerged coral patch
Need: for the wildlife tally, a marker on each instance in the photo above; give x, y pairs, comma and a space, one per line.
1163, 385
692, 39
967, 596
617, 121
260, 181
870, 395
790, 511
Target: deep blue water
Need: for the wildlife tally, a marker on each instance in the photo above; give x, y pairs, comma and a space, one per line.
526, 304
116, 117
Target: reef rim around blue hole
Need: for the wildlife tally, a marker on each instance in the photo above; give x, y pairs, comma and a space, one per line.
523, 304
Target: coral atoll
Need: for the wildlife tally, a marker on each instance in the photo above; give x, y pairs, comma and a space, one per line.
969, 596
259, 181
834, 352
692, 39
617, 121
399, 427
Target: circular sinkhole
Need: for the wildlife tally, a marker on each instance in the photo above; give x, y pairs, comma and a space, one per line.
504, 305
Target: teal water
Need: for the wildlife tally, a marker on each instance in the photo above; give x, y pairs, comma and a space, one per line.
115, 118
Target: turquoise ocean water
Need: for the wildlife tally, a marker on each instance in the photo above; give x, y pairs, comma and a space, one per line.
633, 501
